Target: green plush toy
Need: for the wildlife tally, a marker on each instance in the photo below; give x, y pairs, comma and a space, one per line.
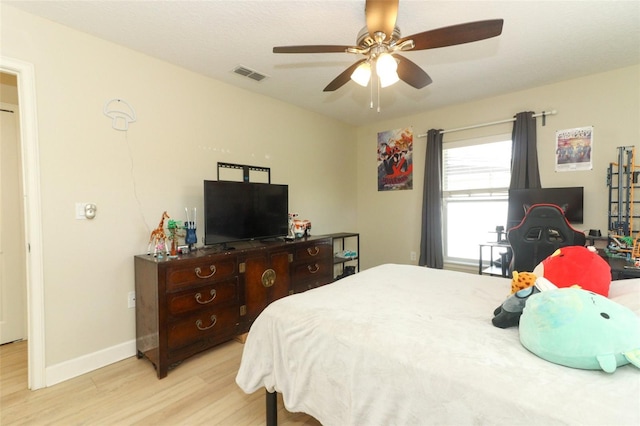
581, 329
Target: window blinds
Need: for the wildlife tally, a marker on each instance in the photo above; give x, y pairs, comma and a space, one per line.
477, 168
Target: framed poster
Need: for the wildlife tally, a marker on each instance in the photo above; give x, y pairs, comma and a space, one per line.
574, 149
395, 159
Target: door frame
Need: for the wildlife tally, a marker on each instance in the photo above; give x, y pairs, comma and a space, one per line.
33, 217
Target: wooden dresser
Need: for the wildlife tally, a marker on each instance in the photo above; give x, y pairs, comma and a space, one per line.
201, 299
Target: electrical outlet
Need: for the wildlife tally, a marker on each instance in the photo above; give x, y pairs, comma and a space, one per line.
413, 255
131, 299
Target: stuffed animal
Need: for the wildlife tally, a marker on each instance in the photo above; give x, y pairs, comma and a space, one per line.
576, 265
522, 286
508, 314
568, 267
580, 329
522, 280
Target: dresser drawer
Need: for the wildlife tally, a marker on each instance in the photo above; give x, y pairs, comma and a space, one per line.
213, 294
179, 277
321, 270
318, 250
203, 325
301, 286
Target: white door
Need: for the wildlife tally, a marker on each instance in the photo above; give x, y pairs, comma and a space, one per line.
13, 312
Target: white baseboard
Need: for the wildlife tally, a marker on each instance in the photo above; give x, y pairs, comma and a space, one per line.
76, 367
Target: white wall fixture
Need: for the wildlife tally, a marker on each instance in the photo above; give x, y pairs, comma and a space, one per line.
85, 210
120, 112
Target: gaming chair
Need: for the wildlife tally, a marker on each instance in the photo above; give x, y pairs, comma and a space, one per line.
543, 230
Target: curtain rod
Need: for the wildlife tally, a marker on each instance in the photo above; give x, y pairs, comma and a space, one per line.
542, 114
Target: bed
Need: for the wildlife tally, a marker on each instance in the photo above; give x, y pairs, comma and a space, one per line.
407, 345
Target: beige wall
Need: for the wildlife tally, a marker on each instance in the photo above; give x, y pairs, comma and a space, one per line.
390, 221
186, 123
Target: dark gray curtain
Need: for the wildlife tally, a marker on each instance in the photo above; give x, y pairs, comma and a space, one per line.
431, 248
524, 153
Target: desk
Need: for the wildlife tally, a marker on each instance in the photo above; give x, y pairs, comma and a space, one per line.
621, 269
492, 270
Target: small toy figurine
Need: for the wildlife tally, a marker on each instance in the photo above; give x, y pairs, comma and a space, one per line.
158, 238
190, 227
173, 227
291, 235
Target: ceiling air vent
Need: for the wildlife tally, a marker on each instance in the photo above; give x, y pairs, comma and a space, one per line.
249, 73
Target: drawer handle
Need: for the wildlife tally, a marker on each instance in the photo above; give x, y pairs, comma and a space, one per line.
212, 268
213, 322
199, 297
315, 251
313, 271
268, 278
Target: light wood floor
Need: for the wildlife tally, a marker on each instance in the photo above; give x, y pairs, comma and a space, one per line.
201, 390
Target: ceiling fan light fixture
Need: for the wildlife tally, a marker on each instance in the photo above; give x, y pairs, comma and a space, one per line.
380, 39
388, 79
386, 69
362, 74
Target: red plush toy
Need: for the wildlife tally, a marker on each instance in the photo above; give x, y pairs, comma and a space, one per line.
576, 265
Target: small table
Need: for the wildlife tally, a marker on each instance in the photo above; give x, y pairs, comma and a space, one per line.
621, 269
492, 270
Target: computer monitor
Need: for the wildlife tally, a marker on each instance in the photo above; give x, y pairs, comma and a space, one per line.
569, 199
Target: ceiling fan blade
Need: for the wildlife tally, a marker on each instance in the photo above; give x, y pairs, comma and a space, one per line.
310, 49
381, 16
343, 78
411, 73
456, 34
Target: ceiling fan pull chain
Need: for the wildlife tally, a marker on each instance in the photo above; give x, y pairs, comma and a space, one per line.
378, 87
371, 95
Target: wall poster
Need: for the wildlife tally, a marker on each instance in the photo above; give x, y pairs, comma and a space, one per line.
574, 149
395, 159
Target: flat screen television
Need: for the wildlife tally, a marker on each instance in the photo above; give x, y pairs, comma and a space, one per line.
570, 199
237, 211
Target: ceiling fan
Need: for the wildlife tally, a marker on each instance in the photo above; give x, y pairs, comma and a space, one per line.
380, 41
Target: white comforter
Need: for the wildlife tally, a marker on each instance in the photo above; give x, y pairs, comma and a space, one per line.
407, 345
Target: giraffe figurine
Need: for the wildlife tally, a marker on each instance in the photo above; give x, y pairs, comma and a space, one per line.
158, 238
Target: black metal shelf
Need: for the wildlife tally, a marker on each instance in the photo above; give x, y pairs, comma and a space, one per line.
621, 192
339, 239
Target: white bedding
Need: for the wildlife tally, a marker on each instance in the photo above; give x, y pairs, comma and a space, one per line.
407, 345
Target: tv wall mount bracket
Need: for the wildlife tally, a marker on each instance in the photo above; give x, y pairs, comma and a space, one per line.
245, 170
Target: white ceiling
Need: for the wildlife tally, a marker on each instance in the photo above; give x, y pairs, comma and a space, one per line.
542, 42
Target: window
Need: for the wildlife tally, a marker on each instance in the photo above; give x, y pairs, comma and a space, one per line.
476, 176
